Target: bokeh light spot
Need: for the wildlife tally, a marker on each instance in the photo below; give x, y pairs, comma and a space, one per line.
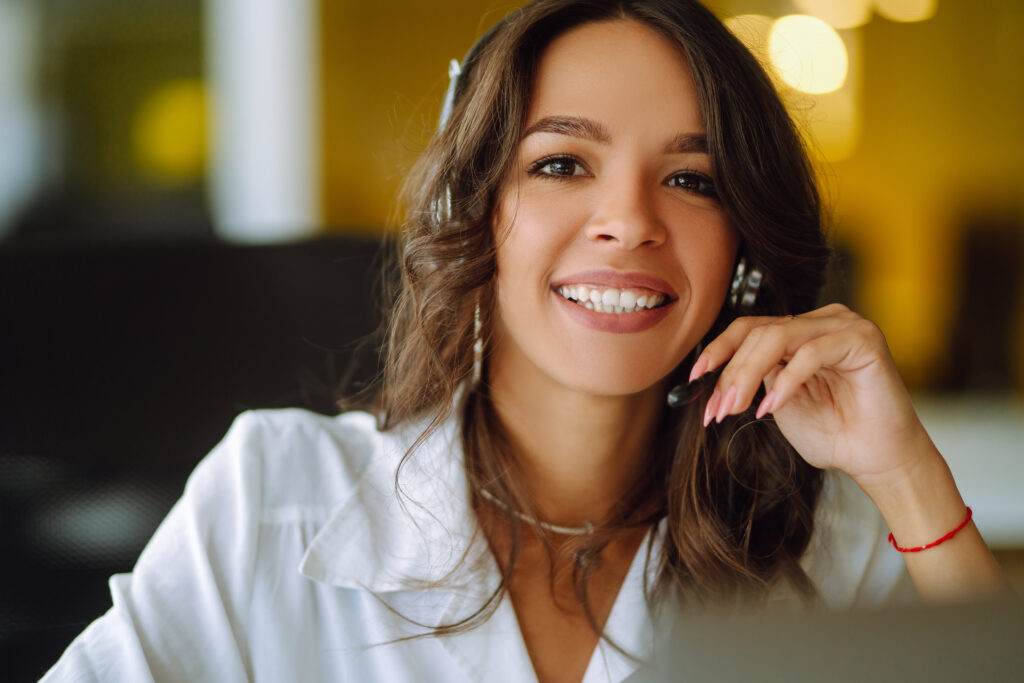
906, 10
808, 54
837, 13
169, 133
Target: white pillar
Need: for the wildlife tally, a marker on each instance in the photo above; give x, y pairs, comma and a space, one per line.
21, 135
262, 62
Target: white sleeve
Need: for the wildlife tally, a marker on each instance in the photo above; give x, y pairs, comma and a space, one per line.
849, 558
182, 614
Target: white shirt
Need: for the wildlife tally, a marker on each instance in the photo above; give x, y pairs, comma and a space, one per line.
289, 558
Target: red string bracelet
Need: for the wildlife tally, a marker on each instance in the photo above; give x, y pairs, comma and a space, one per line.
945, 538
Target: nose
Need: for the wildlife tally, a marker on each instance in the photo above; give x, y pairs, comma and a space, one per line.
626, 218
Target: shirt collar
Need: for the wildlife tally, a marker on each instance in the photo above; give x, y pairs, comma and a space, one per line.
422, 533
427, 537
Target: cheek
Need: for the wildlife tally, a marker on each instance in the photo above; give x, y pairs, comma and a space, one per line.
708, 259
723, 255
708, 256
531, 231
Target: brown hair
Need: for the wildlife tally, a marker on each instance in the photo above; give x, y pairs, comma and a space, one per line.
738, 500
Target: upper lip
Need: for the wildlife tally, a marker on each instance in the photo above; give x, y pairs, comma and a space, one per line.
612, 278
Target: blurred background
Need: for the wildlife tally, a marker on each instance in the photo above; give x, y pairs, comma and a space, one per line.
191, 194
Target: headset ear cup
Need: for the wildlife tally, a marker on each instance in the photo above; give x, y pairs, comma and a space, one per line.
745, 284
442, 209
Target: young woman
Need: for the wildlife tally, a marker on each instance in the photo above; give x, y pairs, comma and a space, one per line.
616, 210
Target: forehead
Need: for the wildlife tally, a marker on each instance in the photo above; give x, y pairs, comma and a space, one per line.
621, 73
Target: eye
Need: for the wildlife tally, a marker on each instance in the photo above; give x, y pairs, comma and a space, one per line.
695, 182
557, 167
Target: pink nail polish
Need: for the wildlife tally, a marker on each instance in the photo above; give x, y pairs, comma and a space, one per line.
727, 404
709, 411
699, 368
766, 405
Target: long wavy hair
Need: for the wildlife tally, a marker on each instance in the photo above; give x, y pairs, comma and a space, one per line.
737, 499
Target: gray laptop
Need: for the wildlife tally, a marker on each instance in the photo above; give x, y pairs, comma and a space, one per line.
978, 642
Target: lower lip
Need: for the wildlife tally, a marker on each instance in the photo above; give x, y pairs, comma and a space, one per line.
614, 322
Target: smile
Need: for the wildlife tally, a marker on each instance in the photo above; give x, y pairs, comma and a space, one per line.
612, 300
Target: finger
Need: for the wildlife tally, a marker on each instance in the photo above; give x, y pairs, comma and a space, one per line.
727, 344
826, 351
769, 384
723, 347
765, 348
719, 351
761, 350
830, 311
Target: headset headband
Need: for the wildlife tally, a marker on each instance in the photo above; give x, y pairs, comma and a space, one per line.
457, 73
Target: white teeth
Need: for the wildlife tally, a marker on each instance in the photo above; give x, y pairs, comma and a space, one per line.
611, 300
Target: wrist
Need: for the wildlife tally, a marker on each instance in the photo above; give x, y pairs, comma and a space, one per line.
919, 502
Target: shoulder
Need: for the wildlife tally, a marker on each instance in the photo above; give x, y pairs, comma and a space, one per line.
279, 459
849, 558
298, 455
216, 572
187, 610
291, 465
272, 468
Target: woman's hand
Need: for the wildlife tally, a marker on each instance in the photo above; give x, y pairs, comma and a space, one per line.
836, 396
832, 387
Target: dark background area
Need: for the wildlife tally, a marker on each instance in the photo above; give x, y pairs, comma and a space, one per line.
121, 366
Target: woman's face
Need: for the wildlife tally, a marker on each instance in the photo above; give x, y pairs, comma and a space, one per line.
614, 255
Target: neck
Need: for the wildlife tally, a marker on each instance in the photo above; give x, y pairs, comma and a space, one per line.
578, 453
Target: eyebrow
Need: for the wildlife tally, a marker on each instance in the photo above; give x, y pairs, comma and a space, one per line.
587, 129
688, 143
575, 126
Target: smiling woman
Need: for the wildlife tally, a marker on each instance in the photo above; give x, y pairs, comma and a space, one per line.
606, 199
582, 234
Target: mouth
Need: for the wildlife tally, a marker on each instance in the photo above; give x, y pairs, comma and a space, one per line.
613, 300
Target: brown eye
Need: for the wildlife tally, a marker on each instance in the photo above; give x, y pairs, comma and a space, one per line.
695, 182
557, 167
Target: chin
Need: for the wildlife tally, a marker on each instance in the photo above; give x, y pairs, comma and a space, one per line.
611, 380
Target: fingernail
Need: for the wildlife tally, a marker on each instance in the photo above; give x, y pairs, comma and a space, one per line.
723, 410
766, 405
699, 368
709, 411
